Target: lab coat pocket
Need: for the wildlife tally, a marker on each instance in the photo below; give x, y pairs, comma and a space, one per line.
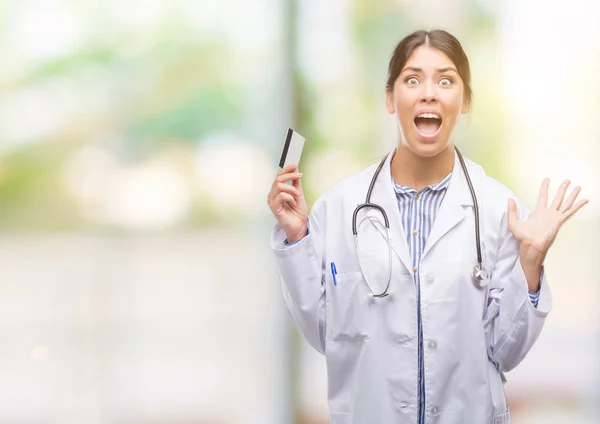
347, 316
340, 418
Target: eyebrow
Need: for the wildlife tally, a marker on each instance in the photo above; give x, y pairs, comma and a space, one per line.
439, 70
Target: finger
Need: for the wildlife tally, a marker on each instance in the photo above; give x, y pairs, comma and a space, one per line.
283, 198
298, 183
278, 188
543, 195
272, 193
560, 195
571, 199
513, 217
283, 187
290, 168
574, 209
284, 178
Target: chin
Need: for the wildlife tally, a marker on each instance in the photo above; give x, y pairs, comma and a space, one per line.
427, 149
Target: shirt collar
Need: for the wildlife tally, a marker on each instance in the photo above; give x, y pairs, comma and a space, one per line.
439, 186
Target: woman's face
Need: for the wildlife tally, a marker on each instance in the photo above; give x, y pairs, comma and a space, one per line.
427, 99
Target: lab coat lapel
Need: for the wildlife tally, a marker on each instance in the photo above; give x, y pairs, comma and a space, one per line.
452, 210
385, 196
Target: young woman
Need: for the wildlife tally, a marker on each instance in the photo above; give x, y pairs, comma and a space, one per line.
419, 278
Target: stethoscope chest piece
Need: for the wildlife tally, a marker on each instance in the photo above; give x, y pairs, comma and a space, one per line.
480, 276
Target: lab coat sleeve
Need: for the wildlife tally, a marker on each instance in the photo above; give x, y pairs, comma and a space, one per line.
512, 323
300, 267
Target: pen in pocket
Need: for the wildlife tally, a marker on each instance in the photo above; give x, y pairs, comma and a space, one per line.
334, 273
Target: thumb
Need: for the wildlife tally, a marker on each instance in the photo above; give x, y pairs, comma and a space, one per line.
513, 218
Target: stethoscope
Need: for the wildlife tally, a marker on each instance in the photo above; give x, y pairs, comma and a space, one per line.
478, 272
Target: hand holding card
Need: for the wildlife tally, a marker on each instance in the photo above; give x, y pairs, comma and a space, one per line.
287, 201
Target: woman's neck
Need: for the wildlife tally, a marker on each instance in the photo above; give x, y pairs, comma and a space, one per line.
414, 171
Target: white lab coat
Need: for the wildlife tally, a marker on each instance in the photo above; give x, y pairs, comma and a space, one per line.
370, 344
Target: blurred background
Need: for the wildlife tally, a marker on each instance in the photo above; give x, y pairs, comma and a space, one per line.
139, 140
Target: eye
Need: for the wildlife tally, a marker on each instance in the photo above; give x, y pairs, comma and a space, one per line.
412, 81
446, 82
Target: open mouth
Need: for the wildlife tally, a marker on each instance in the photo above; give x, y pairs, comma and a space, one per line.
428, 123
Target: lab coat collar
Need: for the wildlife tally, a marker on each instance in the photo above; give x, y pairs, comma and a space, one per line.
452, 209
458, 190
384, 195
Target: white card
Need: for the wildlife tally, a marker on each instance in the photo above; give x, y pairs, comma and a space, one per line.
292, 149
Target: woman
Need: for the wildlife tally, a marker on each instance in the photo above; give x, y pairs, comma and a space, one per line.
412, 331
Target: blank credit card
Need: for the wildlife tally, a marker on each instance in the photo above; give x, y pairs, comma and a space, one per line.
292, 149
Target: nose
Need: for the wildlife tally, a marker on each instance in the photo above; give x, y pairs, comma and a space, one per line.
429, 94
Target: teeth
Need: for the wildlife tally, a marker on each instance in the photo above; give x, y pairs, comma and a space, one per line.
429, 115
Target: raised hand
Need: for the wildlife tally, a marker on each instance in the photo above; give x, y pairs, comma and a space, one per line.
536, 234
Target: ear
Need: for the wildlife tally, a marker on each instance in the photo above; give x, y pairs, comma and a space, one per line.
466, 107
389, 101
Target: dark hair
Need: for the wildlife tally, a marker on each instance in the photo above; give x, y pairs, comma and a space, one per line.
438, 39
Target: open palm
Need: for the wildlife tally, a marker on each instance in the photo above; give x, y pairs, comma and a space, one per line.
536, 234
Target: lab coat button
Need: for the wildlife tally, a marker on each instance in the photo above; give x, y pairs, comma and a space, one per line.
429, 279
403, 405
432, 345
403, 339
434, 411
